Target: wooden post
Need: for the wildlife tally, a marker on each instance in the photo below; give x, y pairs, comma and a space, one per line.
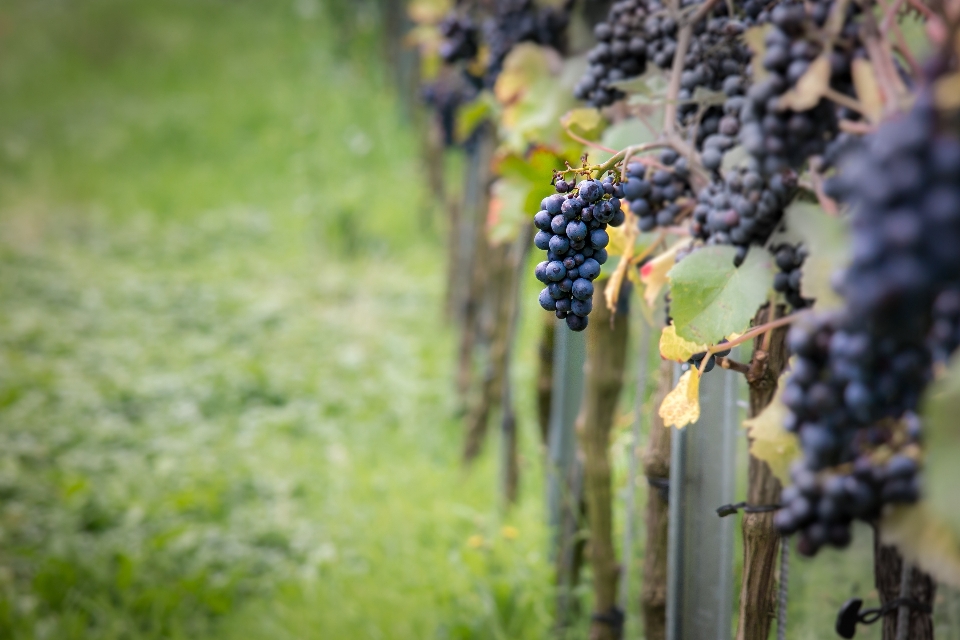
656, 467
888, 566
603, 380
508, 261
760, 540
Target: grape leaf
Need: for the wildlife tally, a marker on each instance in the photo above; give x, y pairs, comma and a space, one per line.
769, 441
828, 246
756, 37
507, 209
868, 91
928, 534
809, 88
654, 274
924, 539
628, 241
587, 123
947, 91
941, 406
474, 113
673, 347
682, 405
535, 91
710, 298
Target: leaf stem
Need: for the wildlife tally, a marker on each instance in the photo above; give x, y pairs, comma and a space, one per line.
749, 335
588, 143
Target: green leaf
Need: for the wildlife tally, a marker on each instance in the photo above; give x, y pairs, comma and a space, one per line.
472, 114
710, 298
627, 132
652, 84
928, 533
587, 123
828, 245
942, 434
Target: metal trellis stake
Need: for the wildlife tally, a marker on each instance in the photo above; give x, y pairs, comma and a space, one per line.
563, 471
700, 547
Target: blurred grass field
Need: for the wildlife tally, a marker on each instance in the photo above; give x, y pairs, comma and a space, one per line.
226, 407
225, 399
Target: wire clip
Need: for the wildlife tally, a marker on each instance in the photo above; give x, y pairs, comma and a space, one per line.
730, 509
850, 614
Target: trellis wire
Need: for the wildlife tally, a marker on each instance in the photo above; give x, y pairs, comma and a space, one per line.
783, 588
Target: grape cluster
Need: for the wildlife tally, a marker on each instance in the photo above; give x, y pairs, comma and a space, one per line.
845, 397
822, 508
697, 358
860, 371
638, 31
741, 209
516, 21
572, 230
460, 38
658, 197
789, 261
783, 138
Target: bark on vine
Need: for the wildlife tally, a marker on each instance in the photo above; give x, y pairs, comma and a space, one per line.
656, 467
888, 565
760, 540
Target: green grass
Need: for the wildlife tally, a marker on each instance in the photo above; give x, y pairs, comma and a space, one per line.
225, 397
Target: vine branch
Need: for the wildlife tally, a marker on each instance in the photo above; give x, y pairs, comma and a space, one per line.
749, 335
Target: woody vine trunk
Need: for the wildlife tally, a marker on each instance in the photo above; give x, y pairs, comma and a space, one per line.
760, 540
656, 468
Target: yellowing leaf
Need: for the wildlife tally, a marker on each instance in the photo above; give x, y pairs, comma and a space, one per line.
682, 405
924, 540
809, 88
620, 239
612, 291
756, 40
427, 11
588, 123
525, 64
654, 273
947, 91
868, 91
769, 441
673, 347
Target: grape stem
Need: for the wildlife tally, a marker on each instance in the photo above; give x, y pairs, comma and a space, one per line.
588, 143
673, 87
889, 24
629, 151
749, 335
